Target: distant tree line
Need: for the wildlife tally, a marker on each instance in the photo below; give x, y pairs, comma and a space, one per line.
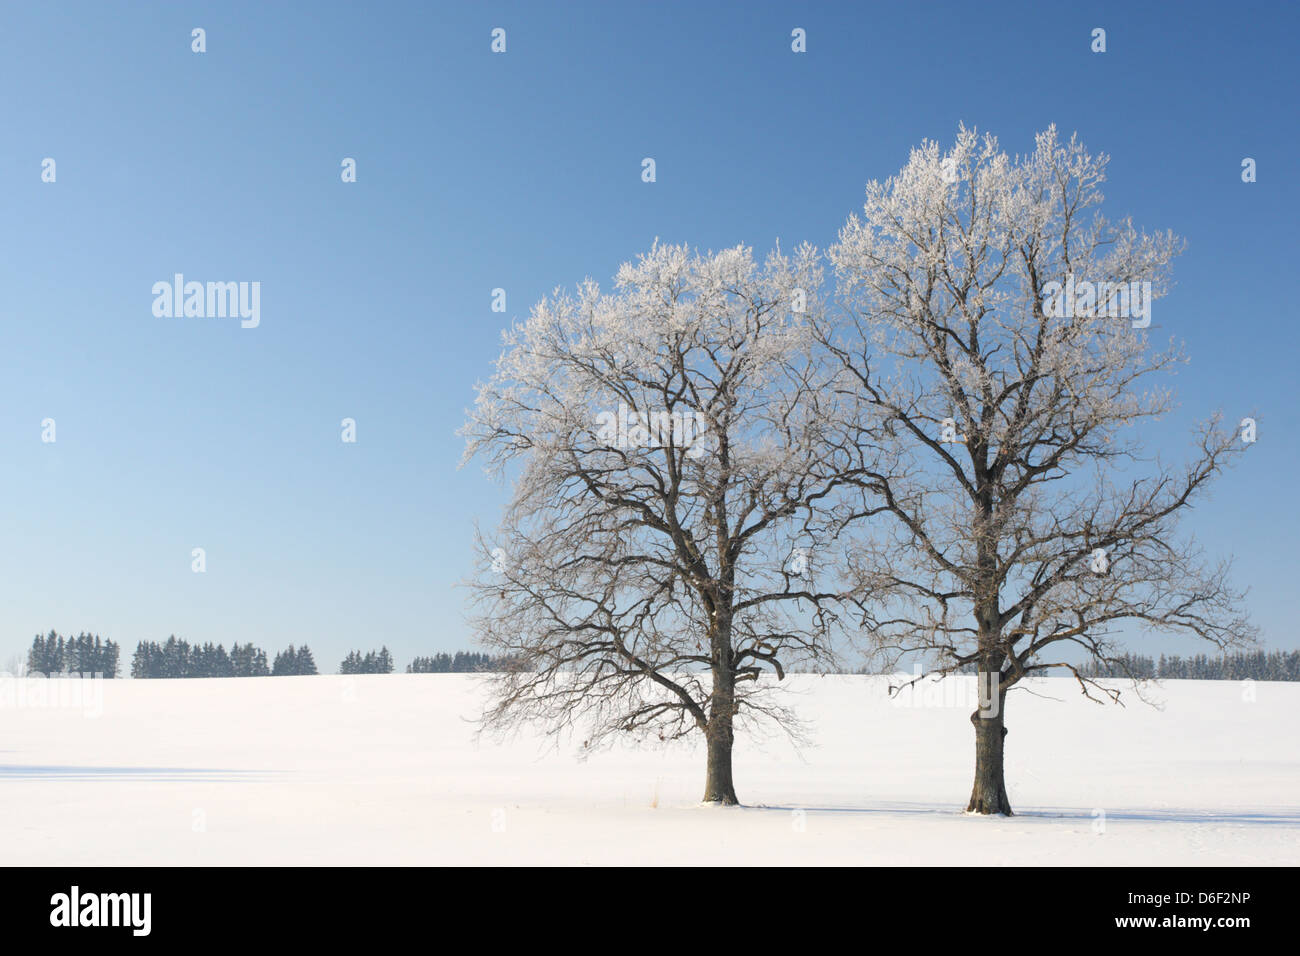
462, 662
380, 662
177, 658
1256, 665
291, 663
83, 654
174, 658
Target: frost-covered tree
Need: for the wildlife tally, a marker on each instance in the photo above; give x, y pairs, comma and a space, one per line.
664, 544
996, 329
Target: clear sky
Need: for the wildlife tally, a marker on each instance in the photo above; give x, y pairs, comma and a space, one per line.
522, 171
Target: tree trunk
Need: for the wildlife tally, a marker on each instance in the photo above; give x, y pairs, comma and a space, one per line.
989, 795
718, 786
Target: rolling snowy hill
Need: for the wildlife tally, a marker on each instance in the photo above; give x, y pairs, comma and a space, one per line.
385, 769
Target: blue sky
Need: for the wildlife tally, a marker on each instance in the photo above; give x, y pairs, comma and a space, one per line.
522, 171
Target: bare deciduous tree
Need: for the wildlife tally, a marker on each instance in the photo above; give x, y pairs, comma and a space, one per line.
996, 329
669, 451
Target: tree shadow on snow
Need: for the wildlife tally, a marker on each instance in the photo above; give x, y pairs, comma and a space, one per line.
1281, 817
882, 808
144, 774
1284, 817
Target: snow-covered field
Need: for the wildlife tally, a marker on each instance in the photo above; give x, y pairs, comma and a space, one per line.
384, 769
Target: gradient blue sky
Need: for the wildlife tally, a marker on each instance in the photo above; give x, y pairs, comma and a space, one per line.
522, 171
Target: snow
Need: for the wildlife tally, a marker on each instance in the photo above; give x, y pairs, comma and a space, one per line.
386, 770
